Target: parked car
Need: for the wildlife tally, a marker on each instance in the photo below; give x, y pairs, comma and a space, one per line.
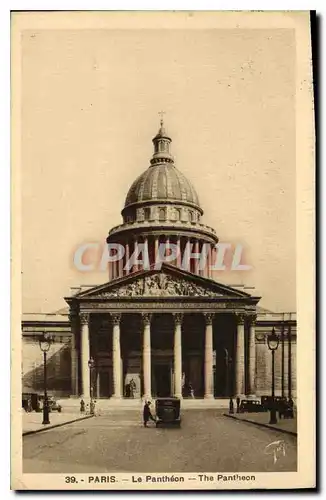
251, 406
167, 412
282, 404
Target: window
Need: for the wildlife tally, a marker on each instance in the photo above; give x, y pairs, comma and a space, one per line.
173, 214
161, 213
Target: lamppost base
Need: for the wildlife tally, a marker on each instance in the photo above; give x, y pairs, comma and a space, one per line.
46, 419
273, 418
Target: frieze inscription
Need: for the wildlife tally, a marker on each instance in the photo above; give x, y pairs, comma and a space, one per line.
161, 306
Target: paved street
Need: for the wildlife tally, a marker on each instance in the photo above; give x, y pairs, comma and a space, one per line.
116, 442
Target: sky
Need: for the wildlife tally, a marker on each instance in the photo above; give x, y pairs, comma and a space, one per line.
90, 103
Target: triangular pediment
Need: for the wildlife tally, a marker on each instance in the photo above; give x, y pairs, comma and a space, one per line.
169, 281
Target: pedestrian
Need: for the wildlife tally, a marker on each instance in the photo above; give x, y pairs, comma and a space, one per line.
82, 406
29, 405
147, 415
191, 390
132, 385
238, 404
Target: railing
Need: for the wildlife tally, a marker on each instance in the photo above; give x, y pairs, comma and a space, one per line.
163, 225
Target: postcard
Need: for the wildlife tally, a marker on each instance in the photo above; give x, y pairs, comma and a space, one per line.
163, 251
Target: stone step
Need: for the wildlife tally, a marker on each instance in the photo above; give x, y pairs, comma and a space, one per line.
137, 404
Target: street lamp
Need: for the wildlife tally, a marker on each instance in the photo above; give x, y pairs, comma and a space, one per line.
228, 362
273, 341
91, 366
45, 343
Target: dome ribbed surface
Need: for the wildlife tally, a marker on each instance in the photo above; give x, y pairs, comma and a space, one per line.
162, 182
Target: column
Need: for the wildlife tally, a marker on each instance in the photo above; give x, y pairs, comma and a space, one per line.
113, 273
156, 244
167, 248
209, 261
252, 355
204, 260
213, 259
116, 355
135, 267
127, 253
196, 266
85, 355
147, 356
240, 368
187, 251
209, 384
120, 267
146, 262
177, 355
74, 354
179, 256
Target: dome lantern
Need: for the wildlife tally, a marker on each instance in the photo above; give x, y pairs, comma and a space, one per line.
162, 146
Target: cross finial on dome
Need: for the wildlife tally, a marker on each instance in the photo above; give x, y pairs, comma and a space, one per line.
161, 113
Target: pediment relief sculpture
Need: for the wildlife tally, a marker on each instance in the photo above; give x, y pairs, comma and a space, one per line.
159, 285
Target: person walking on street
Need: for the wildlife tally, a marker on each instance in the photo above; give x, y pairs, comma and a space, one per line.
147, 415
82, 406
238, 404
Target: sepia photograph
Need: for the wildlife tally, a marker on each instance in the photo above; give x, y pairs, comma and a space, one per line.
163, 250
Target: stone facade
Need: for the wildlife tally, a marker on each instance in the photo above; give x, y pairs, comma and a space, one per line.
64, 359
165, 328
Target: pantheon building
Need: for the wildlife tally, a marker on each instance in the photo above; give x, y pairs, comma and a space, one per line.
165, 327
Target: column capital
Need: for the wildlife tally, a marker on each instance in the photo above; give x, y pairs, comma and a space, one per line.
84, 318
178, 317
240, 318
209, 318
73, 315
146, 317
252, 319
116, 318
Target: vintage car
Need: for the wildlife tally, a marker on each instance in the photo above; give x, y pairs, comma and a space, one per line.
54, 405
282, 404
167, 412
251, 406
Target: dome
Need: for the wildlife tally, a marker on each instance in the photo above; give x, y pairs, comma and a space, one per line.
162, 182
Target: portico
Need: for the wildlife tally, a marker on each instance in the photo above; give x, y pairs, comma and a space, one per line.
175, 329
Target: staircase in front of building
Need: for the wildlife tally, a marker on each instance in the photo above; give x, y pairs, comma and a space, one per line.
73, 404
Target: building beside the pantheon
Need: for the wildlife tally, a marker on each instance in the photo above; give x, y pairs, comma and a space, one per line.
167, 327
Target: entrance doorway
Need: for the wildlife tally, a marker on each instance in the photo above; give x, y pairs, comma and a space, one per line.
105, 384
162, 374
